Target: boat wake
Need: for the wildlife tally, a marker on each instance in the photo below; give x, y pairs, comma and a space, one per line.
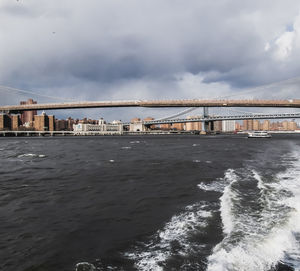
262, 227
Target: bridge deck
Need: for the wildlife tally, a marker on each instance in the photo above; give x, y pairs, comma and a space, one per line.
295, 103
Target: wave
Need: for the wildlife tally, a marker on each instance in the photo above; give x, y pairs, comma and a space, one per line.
31, 155
154, 254
262, 226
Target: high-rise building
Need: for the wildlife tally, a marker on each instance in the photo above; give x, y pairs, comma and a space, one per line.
28, 116
256, 125
5, 122
238, 126
44, 122
245, 125
228, 125
166, 126
51, 121
193, 126
249, 125
178, 126
285, 125
292, 126
266, 125
218, 126
15, 122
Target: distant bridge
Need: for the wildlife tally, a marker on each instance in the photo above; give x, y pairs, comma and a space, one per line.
293, 103
216, 118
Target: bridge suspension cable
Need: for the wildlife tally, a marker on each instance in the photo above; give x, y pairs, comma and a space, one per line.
190, 109
9, 89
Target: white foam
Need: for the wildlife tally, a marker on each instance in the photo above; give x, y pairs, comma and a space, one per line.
85, 266
266, 237
196, 161
157, 251
31, 155
126, 148
219, 184
226, 202
27, 155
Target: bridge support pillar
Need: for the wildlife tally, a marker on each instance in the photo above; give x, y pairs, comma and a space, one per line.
207, 126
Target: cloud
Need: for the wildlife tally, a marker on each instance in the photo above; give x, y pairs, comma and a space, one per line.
147, 49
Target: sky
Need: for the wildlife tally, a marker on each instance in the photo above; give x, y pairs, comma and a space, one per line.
148, 49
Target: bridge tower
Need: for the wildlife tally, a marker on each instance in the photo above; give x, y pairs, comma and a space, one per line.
207, 126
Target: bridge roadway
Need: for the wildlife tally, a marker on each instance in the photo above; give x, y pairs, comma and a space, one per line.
293, 103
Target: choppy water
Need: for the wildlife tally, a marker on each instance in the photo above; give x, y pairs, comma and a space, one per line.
150, 203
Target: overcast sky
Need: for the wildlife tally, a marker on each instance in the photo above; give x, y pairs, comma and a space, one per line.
148, 49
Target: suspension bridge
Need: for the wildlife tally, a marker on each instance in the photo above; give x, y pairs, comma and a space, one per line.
190, 104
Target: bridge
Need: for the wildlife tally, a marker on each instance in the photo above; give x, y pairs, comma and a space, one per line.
292, 103
220, 118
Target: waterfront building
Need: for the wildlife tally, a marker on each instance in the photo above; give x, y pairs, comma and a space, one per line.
218, 126
136, 125
249, 125
193, 126
166, 126
228, 125
256, 125
266, 125
5, 122
44, 122
116, 127
178, 126
149, 119
15, 122
61, 125
28, 116
245, 125
292, 126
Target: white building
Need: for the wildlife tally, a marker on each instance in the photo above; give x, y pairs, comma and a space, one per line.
228, 125
115, 127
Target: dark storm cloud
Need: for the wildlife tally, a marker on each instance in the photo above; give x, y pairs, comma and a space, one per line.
147, 49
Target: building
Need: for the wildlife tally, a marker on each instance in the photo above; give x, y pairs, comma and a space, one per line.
116, 127
266, 125
228, 126
256, 125
218, 126
250, 125
292, 126
166, 126
193, 126
136, 125
28, 116
44, 122
15, 122
5, 122
151, 127
178, 126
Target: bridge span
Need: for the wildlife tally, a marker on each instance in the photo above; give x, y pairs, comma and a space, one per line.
292, 103
220, 118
